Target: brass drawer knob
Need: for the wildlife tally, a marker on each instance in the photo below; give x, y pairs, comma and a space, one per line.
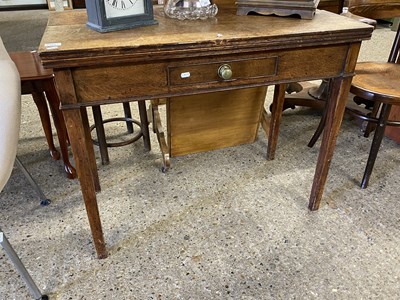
225, 72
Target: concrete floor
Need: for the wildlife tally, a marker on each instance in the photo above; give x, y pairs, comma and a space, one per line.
225, 224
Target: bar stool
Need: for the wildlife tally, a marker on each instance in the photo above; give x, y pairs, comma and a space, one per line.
39, 82
101, 136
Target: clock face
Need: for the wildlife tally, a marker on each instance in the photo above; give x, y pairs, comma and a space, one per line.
123, 8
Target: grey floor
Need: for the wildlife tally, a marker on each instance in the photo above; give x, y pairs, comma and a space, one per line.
225, 224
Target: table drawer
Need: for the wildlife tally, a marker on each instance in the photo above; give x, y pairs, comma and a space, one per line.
95, 84
210, 72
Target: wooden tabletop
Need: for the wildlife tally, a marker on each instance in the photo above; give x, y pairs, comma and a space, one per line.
68, 42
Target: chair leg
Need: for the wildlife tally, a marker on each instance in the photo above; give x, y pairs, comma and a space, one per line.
20, 267
101, 136
41, 104
43, 199
370, 125
376, 143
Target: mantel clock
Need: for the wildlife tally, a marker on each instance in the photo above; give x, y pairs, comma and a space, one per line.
111, 15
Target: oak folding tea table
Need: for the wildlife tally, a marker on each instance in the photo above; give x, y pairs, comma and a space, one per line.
172, 59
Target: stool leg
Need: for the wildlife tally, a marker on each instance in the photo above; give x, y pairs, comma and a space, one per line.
144, 124
40, 102
376, 143
20, 267
59, 123
128, 115
101, 136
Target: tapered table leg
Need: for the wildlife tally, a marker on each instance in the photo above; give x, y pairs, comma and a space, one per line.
78, 129
82, 148
335, 110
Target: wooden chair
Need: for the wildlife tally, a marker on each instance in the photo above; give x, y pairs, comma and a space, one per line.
39, 82
375, 82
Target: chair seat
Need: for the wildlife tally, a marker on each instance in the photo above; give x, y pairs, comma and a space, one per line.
377, 82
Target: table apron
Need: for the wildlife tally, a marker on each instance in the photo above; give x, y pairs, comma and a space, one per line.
105, 84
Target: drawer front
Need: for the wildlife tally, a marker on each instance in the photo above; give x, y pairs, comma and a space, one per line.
209, 72
192, 75
96, 84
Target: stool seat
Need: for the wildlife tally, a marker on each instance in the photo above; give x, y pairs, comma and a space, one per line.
39, 82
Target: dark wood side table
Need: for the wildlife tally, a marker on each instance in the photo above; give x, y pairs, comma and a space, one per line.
40, 83
78, 4
172, 60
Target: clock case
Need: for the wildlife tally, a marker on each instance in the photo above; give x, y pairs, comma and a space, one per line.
97, 17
